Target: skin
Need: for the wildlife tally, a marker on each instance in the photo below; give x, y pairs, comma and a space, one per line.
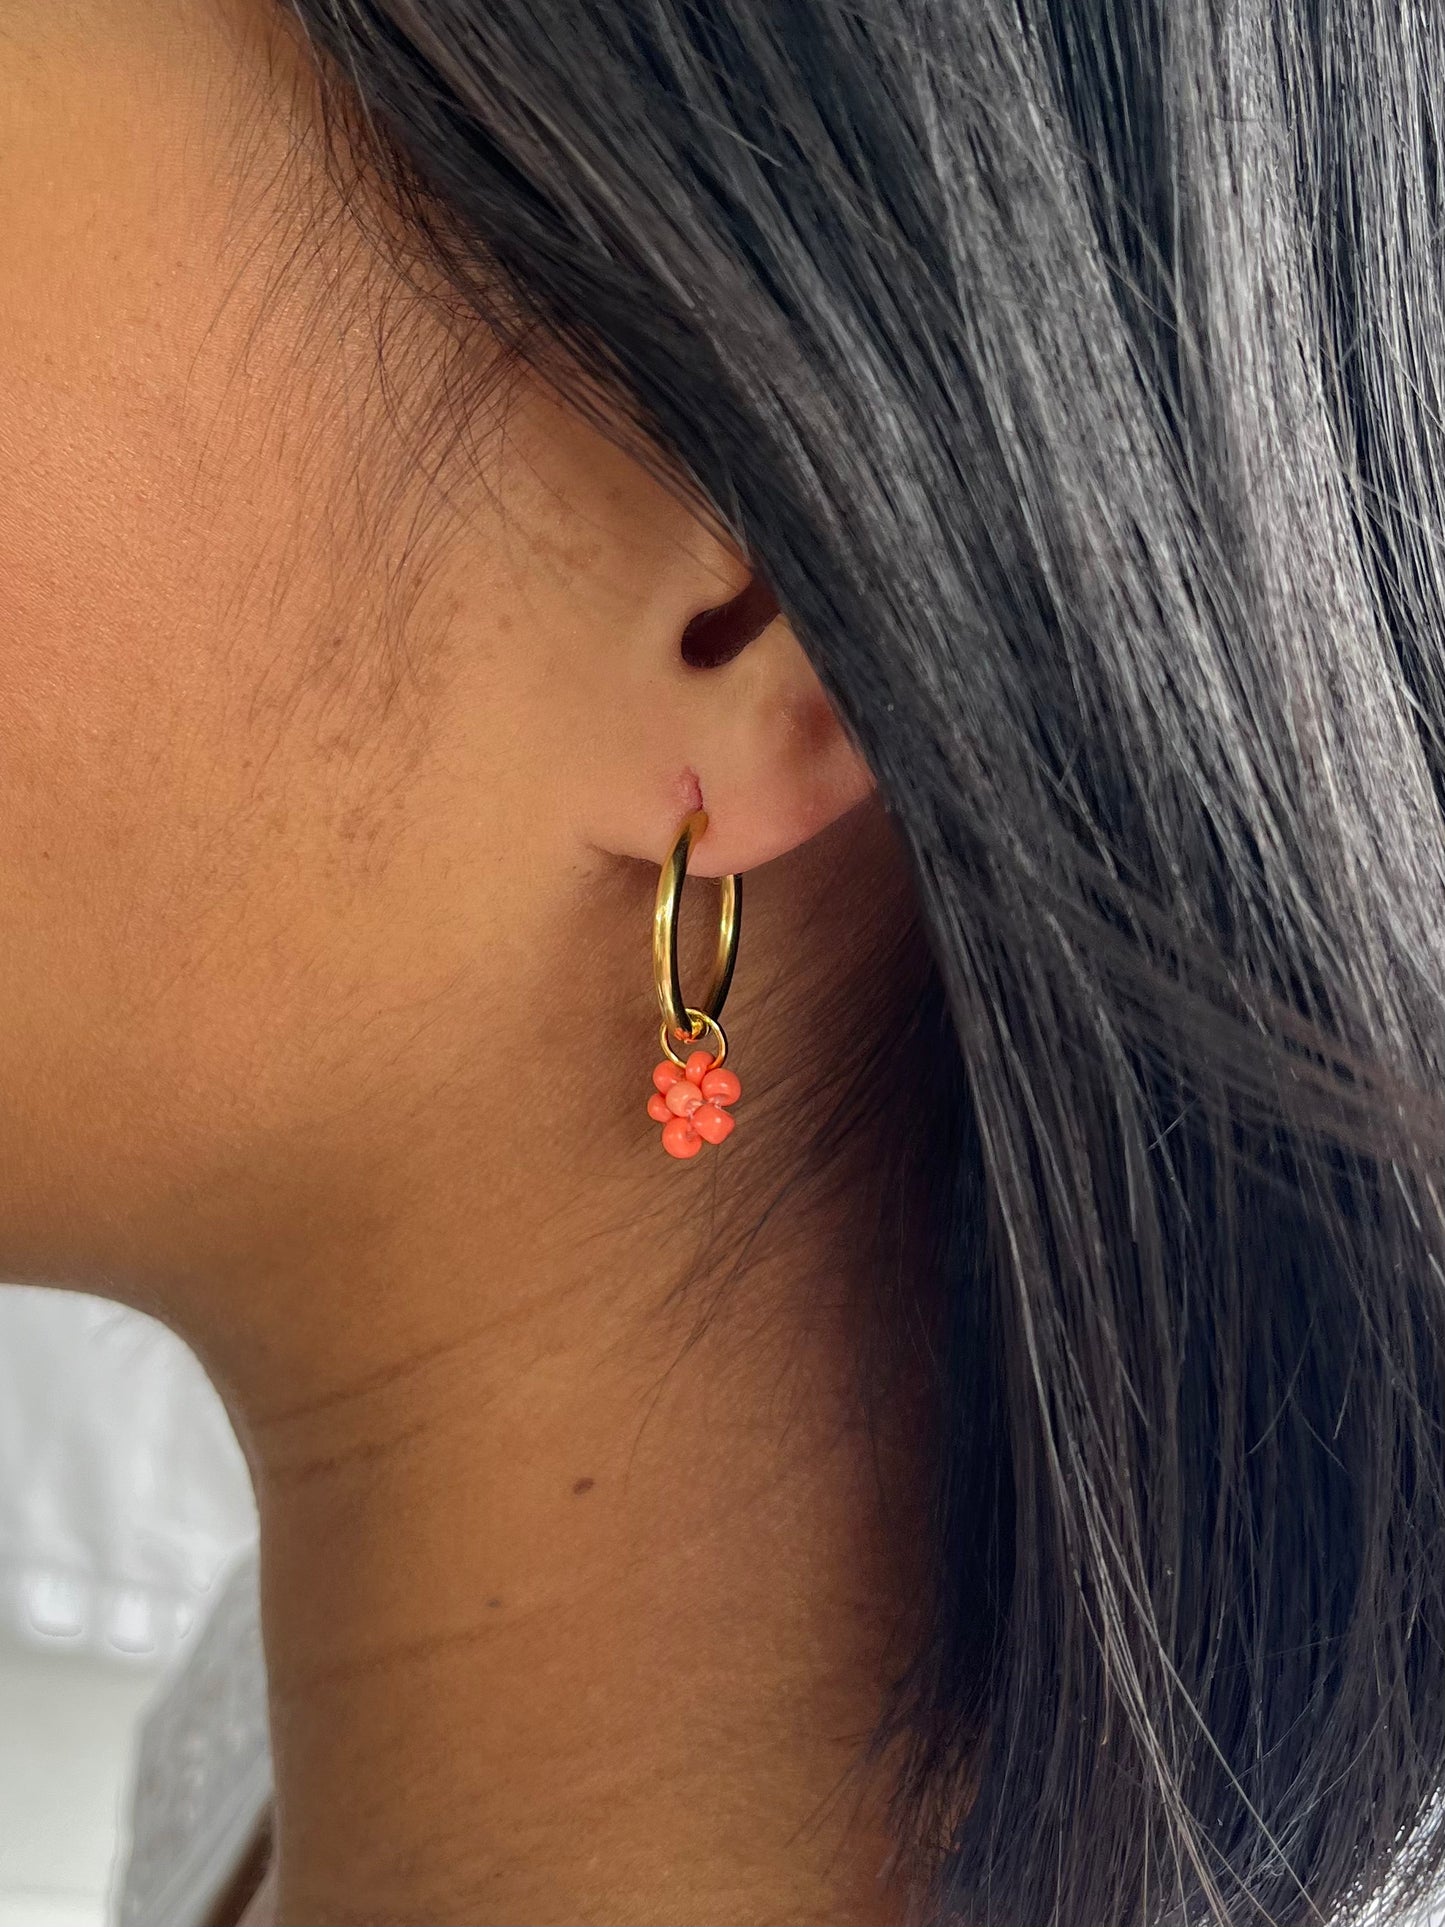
337, 755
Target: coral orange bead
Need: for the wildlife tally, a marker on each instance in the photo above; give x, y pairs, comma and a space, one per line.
683, 1099
722, 1087
698, 1066
657, 1108
666, 1075
679, 1139
711, 1123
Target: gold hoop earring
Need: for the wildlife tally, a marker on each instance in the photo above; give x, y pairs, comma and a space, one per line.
692, 1093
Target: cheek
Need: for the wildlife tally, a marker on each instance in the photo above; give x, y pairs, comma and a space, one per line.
258, 830
152, 816
219, 843
277, 858
202, 761
103, 663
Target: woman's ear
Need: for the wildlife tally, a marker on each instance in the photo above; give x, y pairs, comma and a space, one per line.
736, 722
665, 678
758, 737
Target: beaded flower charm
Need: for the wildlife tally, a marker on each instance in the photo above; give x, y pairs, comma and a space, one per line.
690, 1103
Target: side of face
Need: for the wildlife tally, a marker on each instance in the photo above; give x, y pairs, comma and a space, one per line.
315, 775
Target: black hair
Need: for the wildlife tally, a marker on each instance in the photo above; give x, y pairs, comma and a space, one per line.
1074, 373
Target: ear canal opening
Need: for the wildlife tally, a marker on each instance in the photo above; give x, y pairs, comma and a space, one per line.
718, 635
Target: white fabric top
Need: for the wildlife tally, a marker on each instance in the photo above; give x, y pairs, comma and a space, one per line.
123, 1493
203, 1769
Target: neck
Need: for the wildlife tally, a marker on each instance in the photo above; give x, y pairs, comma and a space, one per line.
581, 1598
595, 1640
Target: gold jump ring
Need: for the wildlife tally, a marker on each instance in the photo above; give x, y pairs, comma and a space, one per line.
717, 1041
